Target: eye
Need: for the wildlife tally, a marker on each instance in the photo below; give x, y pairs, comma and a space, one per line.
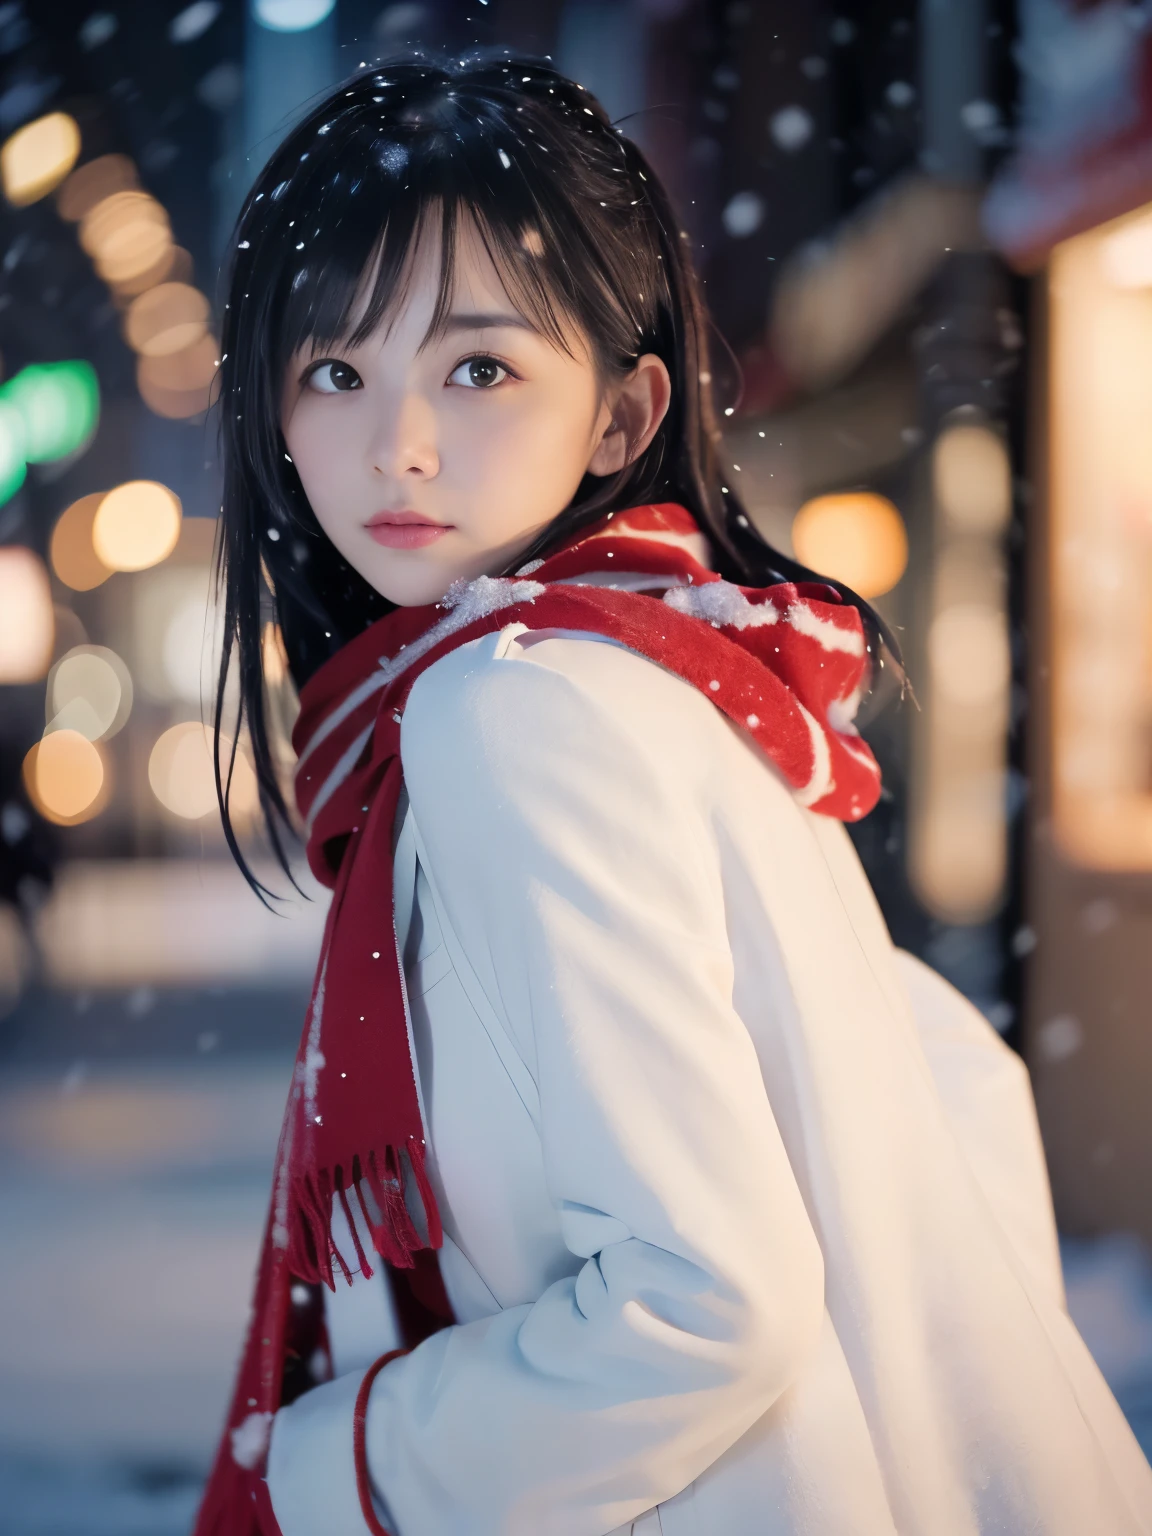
479, 373
334, 378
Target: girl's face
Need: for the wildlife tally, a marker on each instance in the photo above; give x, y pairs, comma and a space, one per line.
428, 462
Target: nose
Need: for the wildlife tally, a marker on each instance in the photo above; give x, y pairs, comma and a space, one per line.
403, 442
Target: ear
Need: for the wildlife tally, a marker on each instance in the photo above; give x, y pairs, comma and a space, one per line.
631, 416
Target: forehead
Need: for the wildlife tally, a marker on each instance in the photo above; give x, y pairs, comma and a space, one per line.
453, 270
473, 280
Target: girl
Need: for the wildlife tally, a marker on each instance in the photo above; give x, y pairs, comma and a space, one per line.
652, 1190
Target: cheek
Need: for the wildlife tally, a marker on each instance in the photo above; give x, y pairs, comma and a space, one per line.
533, 453
319, 443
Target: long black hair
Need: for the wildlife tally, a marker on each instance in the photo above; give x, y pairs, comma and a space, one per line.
583, 235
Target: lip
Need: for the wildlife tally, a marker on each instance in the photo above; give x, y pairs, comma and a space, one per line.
404, 530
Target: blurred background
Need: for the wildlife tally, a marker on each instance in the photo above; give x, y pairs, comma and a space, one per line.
926, 235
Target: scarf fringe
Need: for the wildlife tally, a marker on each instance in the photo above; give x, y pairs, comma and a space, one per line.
427, 1194
313, 1254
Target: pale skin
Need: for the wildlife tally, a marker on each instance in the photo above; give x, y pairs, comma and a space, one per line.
487, 430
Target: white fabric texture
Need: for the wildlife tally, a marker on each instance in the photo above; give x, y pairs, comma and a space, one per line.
748, 1228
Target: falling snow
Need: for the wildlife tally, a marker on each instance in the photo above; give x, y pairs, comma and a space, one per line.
1060, 1038
743, 214
981, 118
791, 128
193, 21
97, 30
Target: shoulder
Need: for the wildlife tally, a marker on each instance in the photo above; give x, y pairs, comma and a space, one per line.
523, 701
551, 804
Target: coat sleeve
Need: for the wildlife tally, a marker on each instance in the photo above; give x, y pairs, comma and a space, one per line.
572, 854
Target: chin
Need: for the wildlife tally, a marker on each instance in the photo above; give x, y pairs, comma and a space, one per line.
411, 583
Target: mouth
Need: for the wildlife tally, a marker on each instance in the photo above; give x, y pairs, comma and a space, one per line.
404, 530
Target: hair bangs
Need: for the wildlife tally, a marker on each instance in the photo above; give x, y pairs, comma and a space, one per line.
337, 301
355, 274
338, 240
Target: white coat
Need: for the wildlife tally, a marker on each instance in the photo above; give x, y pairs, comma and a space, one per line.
747, 1225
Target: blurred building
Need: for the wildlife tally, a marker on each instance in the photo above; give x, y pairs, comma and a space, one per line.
1075, 209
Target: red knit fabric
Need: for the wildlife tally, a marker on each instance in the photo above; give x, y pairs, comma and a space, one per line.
786, 664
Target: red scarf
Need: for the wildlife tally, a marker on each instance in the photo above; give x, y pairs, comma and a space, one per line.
787, 664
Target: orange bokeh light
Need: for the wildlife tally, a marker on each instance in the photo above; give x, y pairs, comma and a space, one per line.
173, 266
192, 367
136, 525
74, 559
38, 157
182, 775
169, 318
126, 235
856, 537
27, 618
91, 183
66, 778
179, 384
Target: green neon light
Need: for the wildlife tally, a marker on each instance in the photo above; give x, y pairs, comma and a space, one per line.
47, 411
13, 466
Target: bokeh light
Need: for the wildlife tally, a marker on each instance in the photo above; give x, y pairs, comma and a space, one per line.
89, 691
968, 650
292, 15
173, 404
856, 537
176, 625
136, 525
73, 558
143, 249
1126, 254
168, 318
183, 653
174, 265
13, 465
972, 478
27, 620
60, 407
91, 183
192, 367
37, 157
181, 773
101, 226
960, 861
66, 778
125, 235
179, 384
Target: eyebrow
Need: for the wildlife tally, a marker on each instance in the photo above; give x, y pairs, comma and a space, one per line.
483, 321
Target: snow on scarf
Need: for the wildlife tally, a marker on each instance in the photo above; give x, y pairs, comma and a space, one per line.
787, 664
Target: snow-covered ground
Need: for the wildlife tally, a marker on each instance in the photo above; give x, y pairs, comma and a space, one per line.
130, 1203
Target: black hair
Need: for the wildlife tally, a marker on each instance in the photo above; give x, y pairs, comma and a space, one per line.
582, 233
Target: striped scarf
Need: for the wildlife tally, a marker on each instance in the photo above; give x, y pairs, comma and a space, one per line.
787, 664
